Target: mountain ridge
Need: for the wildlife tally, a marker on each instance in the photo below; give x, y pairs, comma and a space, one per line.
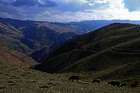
28, 36
116, 49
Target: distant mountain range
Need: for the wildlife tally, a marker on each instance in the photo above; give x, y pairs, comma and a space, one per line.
37, 34
112, 51
39, 38
31, 36
91, 25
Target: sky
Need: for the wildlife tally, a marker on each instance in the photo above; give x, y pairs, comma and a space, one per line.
70, 10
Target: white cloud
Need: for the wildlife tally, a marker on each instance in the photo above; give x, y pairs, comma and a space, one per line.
99, 1
116, 10
78, 2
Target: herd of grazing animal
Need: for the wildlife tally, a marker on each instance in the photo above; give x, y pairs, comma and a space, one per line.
116, 83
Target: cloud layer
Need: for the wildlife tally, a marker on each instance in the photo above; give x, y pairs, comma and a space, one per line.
70, 10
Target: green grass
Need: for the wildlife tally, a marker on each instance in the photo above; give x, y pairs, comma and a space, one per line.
24, 80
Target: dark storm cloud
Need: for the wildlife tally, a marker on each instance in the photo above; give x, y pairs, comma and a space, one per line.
24, 9
9, 11
24, 3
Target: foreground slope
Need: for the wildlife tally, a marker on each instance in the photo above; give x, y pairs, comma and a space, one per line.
112, 51
14, 79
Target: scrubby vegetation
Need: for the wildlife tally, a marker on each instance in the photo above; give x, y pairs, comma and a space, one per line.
25, 80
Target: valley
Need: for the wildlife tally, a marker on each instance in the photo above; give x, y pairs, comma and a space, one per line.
45, 57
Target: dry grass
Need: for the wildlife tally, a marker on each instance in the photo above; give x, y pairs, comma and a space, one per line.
16, 80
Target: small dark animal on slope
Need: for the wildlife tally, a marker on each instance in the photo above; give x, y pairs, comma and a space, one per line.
73, 78
115, 83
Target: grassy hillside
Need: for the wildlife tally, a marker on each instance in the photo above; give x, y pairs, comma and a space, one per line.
14, 79
112, 51
111, 61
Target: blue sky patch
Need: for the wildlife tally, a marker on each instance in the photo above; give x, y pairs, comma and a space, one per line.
132, 5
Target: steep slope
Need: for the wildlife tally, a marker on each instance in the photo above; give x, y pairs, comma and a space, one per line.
29, 37
111, 50
11, 48
10, 38
37, 35
15, 58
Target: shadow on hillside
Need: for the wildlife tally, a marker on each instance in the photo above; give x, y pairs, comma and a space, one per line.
42, 68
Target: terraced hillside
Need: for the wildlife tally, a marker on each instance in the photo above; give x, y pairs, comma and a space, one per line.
112, 52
